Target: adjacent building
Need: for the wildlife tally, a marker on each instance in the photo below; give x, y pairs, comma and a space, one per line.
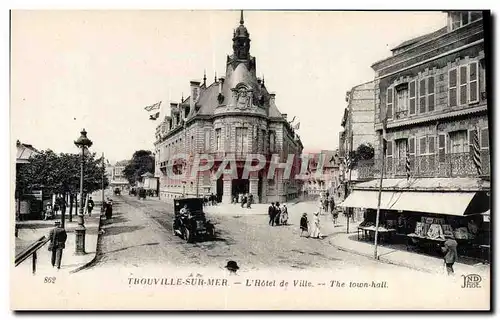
432, 93
117, 178
234, 116
330, 178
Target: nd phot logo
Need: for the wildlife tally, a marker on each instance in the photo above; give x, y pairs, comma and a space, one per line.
471, 281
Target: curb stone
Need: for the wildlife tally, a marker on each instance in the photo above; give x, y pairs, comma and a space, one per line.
91, 262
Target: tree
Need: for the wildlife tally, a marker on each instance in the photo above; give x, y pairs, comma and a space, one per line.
365, 151
142, 161
60, 174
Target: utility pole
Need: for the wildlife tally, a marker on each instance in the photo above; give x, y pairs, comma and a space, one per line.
384, 141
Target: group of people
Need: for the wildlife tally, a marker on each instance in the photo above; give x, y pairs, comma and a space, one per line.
315, 228
210, 200
244, 199
328, 205
278, 215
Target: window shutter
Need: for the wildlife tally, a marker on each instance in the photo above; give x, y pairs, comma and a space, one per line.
452, 87
422, 96
390, 99
389, 149
423, 146
485, 139
412, 95
411, 146
473, 83
463, 85
431, 97
442, 147
431, 145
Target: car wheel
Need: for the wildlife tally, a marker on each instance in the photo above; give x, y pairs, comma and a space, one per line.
187, 235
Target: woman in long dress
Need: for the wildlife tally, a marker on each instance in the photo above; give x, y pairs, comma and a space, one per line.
284, 215
316, 233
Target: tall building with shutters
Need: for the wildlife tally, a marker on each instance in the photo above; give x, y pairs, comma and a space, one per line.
236, 116
433, 92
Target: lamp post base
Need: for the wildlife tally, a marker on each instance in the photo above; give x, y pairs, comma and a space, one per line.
80, 240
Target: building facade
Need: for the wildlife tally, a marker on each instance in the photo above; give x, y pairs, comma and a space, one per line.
234, 116
358, 123
117, 178
433, 91
330, 177
436, 164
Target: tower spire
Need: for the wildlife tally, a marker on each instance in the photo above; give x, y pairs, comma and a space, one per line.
215, 76
205, 77
241, 18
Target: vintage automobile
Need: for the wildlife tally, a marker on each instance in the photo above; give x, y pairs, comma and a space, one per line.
193, 225
117, 191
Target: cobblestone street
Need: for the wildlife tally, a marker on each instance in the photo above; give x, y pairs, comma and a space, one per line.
141, 234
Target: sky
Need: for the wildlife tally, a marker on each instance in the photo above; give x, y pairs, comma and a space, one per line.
98, 69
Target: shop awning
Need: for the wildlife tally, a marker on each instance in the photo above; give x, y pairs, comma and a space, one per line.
451, 203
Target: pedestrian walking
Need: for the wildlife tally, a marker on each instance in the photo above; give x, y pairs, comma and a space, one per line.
316, 231
277, 215
304, 225
57, 243
244, 200
90, 206
325, 205
212, 198
450, 250
271, 212
109, 209
284, 215
250, 201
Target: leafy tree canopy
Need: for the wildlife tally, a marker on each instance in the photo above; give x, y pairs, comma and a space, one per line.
142, 161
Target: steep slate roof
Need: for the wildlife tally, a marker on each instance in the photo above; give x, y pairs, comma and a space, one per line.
420, 39
208, 100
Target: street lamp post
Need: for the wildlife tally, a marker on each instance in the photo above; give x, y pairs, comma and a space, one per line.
83, 142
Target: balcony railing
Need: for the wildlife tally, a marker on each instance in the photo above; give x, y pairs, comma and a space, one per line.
428, 166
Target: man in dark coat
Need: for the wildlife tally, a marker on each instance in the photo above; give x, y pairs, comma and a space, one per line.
277, 213
90, 206
451, 255
271, 211
57, 237
109, 209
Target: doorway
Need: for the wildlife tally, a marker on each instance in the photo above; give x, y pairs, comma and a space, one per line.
240, 186
219, 189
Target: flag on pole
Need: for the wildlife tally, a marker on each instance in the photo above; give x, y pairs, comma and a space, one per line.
152, 107
407, 165
292, 120
476, 155
297, 126
154, 116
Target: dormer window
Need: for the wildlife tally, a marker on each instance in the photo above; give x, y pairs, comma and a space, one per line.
459, 19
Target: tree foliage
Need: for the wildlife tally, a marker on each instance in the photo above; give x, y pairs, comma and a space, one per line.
365, 151
60, 173
142, 161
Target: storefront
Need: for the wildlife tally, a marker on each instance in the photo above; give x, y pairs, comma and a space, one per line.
421, 214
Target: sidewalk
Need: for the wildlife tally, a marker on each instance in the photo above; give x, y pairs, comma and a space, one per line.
393, 254
32, 230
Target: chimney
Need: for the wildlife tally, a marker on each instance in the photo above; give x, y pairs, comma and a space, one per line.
173, 109
195, 94
272, 97
284, 115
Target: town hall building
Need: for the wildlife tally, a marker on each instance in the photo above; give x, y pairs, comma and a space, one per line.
236, 116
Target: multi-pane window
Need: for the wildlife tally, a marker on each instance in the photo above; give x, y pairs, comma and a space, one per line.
458, 141
422, 146
431, 97
207, 141
241, 139
272, 141
217, 139
401, 101
442, 147
460, 19
463, 84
